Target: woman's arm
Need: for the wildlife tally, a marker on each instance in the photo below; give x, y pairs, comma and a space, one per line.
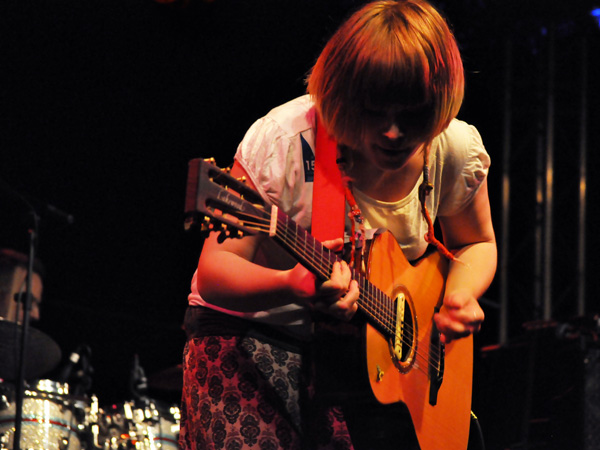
469, 235
228, 277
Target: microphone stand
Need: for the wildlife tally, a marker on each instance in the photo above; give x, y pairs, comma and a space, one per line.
25, 333
33, 237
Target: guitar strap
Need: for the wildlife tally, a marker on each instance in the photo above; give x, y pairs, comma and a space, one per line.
328, 208
332, 338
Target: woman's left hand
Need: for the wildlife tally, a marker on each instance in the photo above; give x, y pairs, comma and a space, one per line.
460, 316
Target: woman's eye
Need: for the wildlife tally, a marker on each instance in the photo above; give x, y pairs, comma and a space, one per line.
417, 118
376, 114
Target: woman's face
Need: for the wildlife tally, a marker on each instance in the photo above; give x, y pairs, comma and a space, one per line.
392, 135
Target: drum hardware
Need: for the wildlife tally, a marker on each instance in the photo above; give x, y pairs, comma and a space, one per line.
34, 354
141, 423
93, 423
52, 419
77, 371
5, 398
55, 416
55, 419
138, 383
43, 354
86, 412
144, 425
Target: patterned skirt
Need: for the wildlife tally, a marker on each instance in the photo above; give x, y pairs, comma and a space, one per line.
242, 393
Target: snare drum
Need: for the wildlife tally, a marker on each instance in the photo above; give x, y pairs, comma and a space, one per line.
50, 419
142, 425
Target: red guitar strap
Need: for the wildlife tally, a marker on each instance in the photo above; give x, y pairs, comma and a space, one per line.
328, 210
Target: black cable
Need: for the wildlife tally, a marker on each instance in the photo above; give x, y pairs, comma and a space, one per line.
475, 420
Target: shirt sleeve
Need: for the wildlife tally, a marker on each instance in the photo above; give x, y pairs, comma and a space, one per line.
262, 154
272, 158
465, 166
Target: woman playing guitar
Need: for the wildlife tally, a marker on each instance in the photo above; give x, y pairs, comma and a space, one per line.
386, 88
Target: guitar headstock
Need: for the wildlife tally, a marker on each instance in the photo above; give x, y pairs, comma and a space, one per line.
216, 201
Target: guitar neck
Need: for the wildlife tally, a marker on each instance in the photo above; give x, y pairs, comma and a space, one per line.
312, 254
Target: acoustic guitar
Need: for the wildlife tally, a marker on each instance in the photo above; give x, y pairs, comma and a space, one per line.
405, 360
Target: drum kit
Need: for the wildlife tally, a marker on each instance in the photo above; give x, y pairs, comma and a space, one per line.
55, 418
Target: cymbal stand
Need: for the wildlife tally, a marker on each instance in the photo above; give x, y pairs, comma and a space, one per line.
33, 231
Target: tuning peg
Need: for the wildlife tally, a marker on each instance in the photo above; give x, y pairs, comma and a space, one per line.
206, 222
188, 223
222, 236
211, 161
226, 170
242, 179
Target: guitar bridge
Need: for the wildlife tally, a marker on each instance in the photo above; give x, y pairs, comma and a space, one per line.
436, 364
398, 339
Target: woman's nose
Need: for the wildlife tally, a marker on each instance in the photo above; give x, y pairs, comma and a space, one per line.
393, 132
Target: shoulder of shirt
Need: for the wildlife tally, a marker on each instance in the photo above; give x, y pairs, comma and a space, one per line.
295, 116
456, 137
457, 130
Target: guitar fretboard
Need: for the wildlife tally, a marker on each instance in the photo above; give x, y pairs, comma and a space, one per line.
379, 308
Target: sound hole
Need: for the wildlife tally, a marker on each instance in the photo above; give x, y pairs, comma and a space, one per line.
403, 344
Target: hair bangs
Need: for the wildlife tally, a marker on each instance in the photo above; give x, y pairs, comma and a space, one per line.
394, 76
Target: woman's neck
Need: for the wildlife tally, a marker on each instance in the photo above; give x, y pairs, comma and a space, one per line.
386, 185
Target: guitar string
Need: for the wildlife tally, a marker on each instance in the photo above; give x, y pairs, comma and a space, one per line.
384, 318
324, 270
388, 316
420, 359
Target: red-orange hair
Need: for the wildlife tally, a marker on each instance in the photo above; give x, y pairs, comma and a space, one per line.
388, 53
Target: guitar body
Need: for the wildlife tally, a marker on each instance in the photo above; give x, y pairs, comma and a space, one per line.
444, 425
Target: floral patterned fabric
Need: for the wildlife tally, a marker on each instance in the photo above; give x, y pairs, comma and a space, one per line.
241, 393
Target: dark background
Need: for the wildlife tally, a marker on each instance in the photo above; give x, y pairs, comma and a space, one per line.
104, 103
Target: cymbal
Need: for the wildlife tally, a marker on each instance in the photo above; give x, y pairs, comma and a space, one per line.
170, 379
42, 354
